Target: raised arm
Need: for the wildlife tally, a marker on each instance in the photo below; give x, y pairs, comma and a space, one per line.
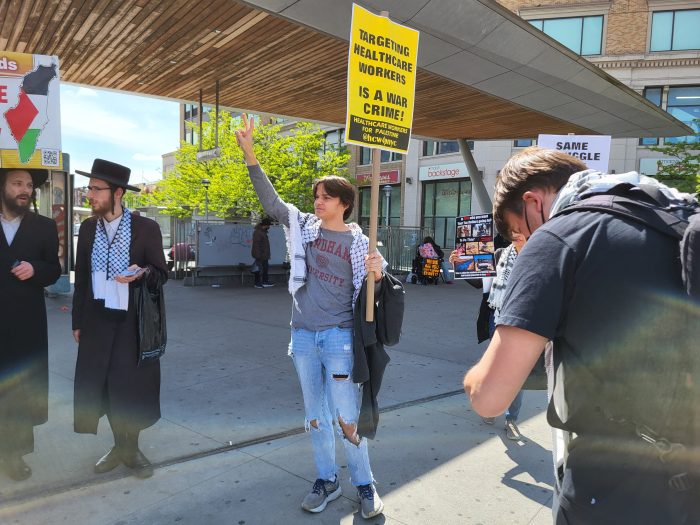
270, 200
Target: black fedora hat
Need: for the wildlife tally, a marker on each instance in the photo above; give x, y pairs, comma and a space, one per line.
110, 172
38, 176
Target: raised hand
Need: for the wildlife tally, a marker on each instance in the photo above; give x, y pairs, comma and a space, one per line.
244, 137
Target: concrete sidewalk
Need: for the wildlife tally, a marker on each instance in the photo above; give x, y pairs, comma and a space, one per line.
230, 447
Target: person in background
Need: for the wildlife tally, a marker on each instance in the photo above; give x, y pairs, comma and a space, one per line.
505, 259
429, 249
260, 251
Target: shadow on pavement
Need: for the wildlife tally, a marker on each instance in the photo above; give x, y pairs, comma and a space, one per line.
228, 385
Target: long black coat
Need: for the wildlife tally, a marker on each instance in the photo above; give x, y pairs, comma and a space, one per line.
108, 379
24, 367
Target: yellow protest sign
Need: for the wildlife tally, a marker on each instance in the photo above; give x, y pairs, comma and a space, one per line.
381, 82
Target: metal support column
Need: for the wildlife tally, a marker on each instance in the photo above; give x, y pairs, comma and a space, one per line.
479, 193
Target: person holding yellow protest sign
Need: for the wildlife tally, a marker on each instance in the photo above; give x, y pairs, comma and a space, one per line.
329, 261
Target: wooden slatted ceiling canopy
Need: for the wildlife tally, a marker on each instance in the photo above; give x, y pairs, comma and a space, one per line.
289, 57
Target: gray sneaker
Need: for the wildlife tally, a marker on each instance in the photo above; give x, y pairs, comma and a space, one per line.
322, 492
488, 420
370, 502
512, 431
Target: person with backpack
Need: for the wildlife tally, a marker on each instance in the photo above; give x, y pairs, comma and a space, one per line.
330, 260
604, 277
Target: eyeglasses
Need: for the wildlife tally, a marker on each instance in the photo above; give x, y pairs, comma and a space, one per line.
96, 188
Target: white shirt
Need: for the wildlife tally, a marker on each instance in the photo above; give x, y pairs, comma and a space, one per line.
111, 227
10, 227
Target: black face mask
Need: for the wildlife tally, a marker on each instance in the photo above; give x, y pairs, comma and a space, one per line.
527, 222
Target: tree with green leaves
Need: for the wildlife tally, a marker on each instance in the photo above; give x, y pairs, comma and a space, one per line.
292, 161
684, 173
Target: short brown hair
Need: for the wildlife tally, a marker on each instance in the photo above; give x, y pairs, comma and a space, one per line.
338, 187
533, 167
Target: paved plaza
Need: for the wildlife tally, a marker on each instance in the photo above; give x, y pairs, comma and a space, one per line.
230, 447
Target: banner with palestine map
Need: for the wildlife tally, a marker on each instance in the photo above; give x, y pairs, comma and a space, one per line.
30, 117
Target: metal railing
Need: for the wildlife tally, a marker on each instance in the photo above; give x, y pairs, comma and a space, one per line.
397, 244
183, 232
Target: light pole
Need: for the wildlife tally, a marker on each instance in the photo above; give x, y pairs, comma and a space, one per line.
206, 183
387, 199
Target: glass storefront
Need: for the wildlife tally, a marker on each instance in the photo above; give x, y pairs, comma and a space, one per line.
444, 200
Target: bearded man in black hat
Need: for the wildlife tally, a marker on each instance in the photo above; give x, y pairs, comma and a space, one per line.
28, 263
116, 248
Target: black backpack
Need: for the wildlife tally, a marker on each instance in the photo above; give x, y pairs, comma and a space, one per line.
679, 220
649, 206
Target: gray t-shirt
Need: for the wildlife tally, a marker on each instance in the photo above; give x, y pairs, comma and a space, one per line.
325, 301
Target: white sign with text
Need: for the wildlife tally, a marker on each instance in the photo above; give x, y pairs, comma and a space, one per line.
594, 150
443, 171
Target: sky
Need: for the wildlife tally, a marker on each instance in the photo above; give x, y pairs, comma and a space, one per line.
127, 129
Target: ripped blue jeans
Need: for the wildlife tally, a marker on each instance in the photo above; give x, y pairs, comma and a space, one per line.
324, 361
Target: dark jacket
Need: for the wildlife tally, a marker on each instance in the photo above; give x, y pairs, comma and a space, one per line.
107, 374
261, 244
368, 347
483, 321
23, 332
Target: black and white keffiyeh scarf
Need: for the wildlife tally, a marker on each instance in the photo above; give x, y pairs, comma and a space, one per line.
110, 259
304, 229
589, 182
500, 282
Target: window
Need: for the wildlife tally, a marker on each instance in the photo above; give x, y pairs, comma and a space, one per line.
386, 156
442, 202
390, 156
684, 104
394, 207
653, 95
523, 143
334, 140
675, 30
581, 34
191, 111
443, 147
365, 156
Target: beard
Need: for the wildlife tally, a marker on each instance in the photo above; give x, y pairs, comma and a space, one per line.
101, 208
15, 206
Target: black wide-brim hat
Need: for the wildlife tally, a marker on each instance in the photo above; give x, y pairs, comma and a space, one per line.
38, 176
110, 172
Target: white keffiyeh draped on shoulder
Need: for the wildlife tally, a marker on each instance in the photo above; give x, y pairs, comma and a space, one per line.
303, 229
110, 257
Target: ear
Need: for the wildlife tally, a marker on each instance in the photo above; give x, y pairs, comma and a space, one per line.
534, 196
